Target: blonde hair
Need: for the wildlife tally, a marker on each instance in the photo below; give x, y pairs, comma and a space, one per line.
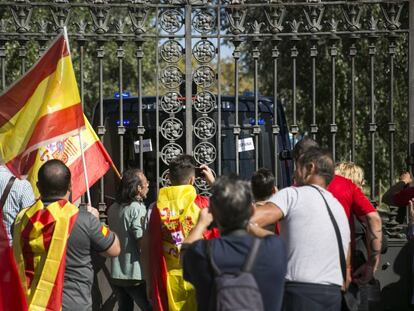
351, 171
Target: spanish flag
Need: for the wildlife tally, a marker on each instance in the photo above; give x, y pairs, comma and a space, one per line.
172, 219
68, 150
41, 234
42, 107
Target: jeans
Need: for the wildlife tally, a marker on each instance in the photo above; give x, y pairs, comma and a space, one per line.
127, 295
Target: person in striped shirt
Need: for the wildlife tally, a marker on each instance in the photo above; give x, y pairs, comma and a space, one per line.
20, 196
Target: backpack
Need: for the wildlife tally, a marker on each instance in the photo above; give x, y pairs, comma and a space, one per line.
235, 291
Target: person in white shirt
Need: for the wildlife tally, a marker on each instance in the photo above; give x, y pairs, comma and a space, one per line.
314, 275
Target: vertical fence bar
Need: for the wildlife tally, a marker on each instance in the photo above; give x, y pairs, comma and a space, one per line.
140, 130
157, 101
3, 64
22, 55
101, 128
352, 54
294, 129
372, 124
391, 124
313, 55
236, 129
333, 128
275, 126
188, 83
411, 87
81, 81
219, 156
256, 127
121, 126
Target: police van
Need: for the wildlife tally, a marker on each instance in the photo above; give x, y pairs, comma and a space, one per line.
266, 152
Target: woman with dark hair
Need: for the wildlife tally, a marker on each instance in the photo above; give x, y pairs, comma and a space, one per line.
126, 217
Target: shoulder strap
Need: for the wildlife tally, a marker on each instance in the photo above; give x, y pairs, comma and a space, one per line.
251, 258
6, 192
213, 265
337, 233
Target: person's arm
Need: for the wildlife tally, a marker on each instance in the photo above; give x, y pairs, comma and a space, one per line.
257, 231
404, 180
266, 214
205, 219
373, 243
208, 174
114, 249
348, 277
410, 229
103, 240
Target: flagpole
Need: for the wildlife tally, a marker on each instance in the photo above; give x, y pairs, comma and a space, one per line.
85, 173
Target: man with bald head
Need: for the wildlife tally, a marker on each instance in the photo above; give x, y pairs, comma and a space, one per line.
53, 241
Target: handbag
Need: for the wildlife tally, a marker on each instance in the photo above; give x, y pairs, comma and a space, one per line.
350, 296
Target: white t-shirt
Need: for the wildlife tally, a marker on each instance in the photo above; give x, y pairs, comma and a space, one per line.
312, 247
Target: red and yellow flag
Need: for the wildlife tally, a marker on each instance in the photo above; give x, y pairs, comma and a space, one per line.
42, 107
68, 151
39, 246
12, 296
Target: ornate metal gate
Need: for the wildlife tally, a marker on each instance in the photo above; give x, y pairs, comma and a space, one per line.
342, 70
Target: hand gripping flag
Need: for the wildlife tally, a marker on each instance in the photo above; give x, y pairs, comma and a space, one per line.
41, 234
68, 151
42, 107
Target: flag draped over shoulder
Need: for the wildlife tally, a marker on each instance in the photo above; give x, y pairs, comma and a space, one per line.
41, 107
176, 214
41, 235
12, 296
69, 152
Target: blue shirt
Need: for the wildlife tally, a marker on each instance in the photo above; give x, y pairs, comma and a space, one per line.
20, 196
229, 253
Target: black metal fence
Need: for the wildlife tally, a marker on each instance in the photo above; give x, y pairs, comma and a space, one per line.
340, 69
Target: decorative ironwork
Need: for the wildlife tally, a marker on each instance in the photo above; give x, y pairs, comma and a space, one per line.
171, 102
170, 151
171, 51
100, 17
314, 18
171, 77
275, 17
171, 21
205, 128
172, 128
352, 17
205, 153
22, 15
138, 16
165, 181
204, 76
204, 21
205, 102
236, 18
204, 51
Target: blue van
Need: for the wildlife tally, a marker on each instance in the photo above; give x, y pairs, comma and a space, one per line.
266, 152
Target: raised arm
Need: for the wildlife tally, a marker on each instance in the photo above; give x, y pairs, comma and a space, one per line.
266, 214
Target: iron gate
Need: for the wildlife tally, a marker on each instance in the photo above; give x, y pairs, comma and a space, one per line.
343, 71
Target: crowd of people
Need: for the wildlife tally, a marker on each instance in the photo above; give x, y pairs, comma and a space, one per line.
249, 246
